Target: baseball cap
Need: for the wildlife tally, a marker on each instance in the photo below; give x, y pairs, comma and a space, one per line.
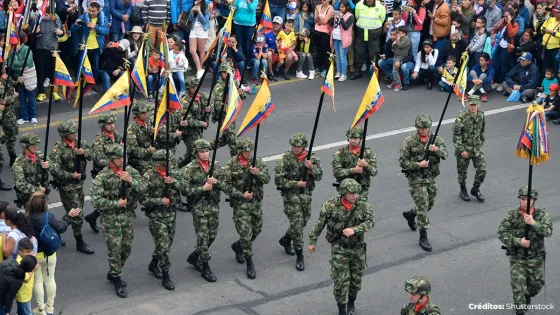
292, 5
278, 19
554, 87
124, 44
526, 56
259, 39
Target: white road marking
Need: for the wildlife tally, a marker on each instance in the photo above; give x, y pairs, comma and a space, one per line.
370, 137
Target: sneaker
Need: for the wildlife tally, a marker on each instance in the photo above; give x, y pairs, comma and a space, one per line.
300, 75
405, 87
37, 311
41, 97
21, 121
199, 74
34, 121
364, 67
273, 78
495, 86
484, 98
556, 122
390, 86
286, 76
499, 88
397, 87
342, 78
311, 75
525, 99
323, 73
56, 97
255, 81
337, 75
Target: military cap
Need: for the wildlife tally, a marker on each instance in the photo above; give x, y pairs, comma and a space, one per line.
225, 67
418, 285
159, 157
423, 121
141, 107
202, 144
106, 119
67, 128
524, 192
349, 185
355, 132
191, 82
474, 99
28, 139
298, 140
114, 151
245, 145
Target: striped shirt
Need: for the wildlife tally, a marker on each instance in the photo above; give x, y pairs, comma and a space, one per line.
155, 12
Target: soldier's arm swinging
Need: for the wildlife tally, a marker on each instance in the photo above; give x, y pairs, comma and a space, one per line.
368, 222
319, 226
506, 234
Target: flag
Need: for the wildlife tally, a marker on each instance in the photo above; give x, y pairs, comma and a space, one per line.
373, 98
233, 105
84, 73
260, 109
139, 72
117, 96
9, 27
328, 86
533, 142
223, 35
14, 38
211, 49
461, 85
174, 104
265, 25
61, 74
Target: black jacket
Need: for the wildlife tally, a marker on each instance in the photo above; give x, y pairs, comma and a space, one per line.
112, 59
11, 279
448, 50
38, 222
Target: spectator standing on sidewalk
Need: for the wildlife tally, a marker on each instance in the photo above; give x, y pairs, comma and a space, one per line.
323, 29
341, 38
27, 103
370, 15
199, 16
154, 14
440, 23
120, 16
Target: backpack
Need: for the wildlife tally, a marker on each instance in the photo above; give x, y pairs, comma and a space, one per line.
136, 15
49, 238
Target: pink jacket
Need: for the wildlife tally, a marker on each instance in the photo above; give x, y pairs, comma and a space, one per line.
346, 35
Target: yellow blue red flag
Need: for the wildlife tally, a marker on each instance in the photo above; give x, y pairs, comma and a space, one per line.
260, 109
117, 96
265, 25
223, 35
9, 26
85, 77
373, 98
461, 85
328, 85
533, 142
233, 106
61, 74
139, 72
174, 104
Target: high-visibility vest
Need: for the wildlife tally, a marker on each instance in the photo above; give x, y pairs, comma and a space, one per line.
370, 18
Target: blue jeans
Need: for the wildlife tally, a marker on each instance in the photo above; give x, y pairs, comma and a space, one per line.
27, 105
93, 56
105, 80
24, 308
277, 11
179, 80
552, 114
258, 67
501, 64
341, 57
116, 37
444, 86
152, 78
414, 42
386, 65
244, 36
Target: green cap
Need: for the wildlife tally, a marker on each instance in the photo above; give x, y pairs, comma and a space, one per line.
159, 157
106, 119
418, 285
349, 185
114, 151
141, 106
524, 192
355, 132
191, 82
298, 140
423, 121
202, 144
28, 139
67, 128
245, 145
474, 99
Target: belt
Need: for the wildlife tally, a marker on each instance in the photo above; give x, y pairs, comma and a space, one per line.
350, 246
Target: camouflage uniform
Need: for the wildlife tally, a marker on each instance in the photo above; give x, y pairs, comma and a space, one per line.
297, 201
117, 224
345, 160
526, 272
9, 127
26, 173
139, 139
419, 285
194, 128
247, 214
422, 181
161, 137
468, 136
348, 254
162, 218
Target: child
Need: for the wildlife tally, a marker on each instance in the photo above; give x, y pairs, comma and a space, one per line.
23, 297
307, 16
178, 64
154, 68
401, 47
13, 275
303, 47
546, 82
3, 226
341, 38
448, 75
258, 60
476, 46
480, 8
552, 104
293, 14
286, 42
394, 22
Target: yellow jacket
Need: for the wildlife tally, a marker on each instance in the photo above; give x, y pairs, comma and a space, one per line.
551, 41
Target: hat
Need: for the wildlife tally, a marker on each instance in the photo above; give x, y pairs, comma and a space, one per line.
159, 157
304, 32
114, 151
474, 99
191, 82
554, 87
526, 56
124, 44
28, 139
278, 19
349, 185
245, 145
259, 39
202, 144
418, 285
423, 121
292, 5
355, 132
106, 119
141, 107
298, 140
67, 128
136, 29
524, 191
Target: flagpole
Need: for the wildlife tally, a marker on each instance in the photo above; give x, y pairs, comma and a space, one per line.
127, 112
363, 146
254, 163
215, 79
44, 171
167, 126
220, 118
80, 109
529, 186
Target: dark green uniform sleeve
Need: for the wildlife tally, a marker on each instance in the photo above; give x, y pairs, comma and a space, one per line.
280, 178
406, 161
457, 134
263, 176
317, 172
368, 222
506, 232
543, 226
442, 148
320, 225
54, 165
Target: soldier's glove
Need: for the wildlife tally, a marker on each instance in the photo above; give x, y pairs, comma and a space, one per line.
404, 310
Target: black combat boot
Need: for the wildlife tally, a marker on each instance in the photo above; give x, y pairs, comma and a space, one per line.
342, 309
167, 282
113, 279
410, 217
527, 300
153, 267
81, 246
4, 186
475, 191
120, 289
13, 158
351, 310
251, 273
193, 260
207, 273
300, 264
423, 242
463, 193
236, 246
286, 242
92, 220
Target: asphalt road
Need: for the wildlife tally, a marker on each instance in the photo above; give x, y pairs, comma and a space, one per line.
466, 266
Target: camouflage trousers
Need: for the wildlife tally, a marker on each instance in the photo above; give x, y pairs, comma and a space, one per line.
118, 229
347, 270
10, 131
298, 214
70, 198
248, 218
206, 218
162, 228
526, 277
479, 164
424, 196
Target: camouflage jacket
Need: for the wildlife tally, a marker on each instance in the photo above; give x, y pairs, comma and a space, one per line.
28, 175
429, 309
10, 95
344, 161
98, 150
62, 162
196, 116
468, 133
105, 190
174, 124
334, 216
289, 170
138, 141
194, 178
412, 152
156, 187
216, 99
235, 174
512, 230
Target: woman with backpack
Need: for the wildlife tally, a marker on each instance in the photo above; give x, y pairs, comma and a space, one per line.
44, 276
20, 228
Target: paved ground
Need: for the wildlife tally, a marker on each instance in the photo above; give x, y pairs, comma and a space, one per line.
466, 266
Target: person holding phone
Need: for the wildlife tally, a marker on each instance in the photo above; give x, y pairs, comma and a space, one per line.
415, 14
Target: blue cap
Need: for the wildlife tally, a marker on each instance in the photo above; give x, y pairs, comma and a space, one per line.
292, 5
526, 56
